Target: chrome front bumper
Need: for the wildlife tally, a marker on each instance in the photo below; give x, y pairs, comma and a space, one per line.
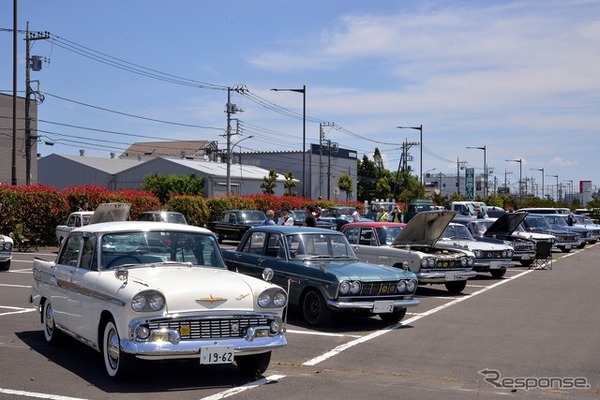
369, 305
438, 276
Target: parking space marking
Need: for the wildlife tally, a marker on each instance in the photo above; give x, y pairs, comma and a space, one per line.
337, 350
243, 388
15, 286
16, 310
320, 333
38, 395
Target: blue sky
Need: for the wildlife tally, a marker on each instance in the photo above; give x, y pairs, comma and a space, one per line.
520, 77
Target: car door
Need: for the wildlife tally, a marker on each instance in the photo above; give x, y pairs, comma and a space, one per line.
83, 303
249, 257
364, 244
63, 297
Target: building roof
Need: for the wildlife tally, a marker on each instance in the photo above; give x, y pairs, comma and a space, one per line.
105, 164
178, 148
241, 171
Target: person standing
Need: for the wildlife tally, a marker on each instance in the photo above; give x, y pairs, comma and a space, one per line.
310, 220
270, 216
395, 215
285, 218
356, 215
382, 215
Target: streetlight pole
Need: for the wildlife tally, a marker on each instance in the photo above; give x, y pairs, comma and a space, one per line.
520, 161
303, 91
557, 187
541, 169
485, 172
420, 129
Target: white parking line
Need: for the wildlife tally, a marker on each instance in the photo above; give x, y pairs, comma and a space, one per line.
15, 286
319, 333
38, 395
337, 350
243, 388
16, 310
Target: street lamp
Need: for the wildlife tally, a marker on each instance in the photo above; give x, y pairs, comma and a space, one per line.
229, 151
520, 161
303, 91
420, 129
238, 142
557, 190
485, 173
541, 169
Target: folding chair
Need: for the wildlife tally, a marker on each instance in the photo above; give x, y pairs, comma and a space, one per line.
20, 241
543, 256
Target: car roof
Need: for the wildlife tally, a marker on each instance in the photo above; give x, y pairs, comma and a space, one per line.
128, 226
373, 224
289, 229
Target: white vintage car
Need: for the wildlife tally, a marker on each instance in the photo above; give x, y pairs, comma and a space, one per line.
156, 291
493, 255
6, 248
76, 219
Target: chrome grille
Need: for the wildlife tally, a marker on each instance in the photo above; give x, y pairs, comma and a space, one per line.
210, 328
378, 288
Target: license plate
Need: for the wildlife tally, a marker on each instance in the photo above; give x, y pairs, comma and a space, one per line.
383, 307
494, 265
452, 276
568, 247
525, 257
216, 355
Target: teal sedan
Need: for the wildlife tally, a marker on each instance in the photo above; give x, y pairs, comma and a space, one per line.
322, 273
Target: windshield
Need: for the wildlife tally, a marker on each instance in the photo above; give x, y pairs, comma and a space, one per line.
457, 232
125, 248
536, 222
253, 216
483, 226
556, 219
319, 246
387, 234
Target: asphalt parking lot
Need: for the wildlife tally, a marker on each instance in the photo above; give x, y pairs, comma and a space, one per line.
533, 334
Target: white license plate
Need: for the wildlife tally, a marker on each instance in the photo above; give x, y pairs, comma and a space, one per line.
383, 307
568, 247
452, 276
525, 257
495, 265
216, 355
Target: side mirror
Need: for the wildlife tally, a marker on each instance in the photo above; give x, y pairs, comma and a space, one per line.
268, 274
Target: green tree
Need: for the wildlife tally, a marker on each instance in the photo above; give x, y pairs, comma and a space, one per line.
366, 172
165, 186
290, 184
269, 182
346, 185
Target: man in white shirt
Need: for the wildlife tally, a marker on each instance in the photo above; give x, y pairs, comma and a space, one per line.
356, 215
285, 218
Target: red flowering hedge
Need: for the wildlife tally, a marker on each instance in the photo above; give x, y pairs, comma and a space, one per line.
41, 208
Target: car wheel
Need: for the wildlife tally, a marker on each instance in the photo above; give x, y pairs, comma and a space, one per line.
526, 263
498, 273
51, 334
456, 286
255, 364
119, 366
5, 266
393, 318
582, 245
565, 250
315, 310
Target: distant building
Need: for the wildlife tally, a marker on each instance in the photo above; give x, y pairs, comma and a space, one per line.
6, 140
191, 149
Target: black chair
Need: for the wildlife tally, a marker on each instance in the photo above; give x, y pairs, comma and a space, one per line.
543, 256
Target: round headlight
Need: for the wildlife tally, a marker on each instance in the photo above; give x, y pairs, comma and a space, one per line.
471, 261
156, 301
344, 287
402, 286
280, 299
464, 261
138, 303
424, 262
411, 286
355, 287
264, 300
431, 263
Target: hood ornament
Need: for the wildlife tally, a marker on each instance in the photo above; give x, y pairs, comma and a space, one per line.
211, 299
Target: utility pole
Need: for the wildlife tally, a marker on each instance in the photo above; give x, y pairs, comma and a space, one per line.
34, 63
230, 109
321, 140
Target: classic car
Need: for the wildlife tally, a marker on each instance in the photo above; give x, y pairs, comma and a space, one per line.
6, 247
156, 291
322, 273
559, 221
162, 216
564, 240
489, 257
586, 222
234, 223
413, 246
502, 228
75, 220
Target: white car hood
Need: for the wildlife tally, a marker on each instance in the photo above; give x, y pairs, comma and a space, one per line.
194, 288
471, 245
425, 228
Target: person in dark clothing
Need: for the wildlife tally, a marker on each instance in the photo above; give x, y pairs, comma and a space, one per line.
310, 220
